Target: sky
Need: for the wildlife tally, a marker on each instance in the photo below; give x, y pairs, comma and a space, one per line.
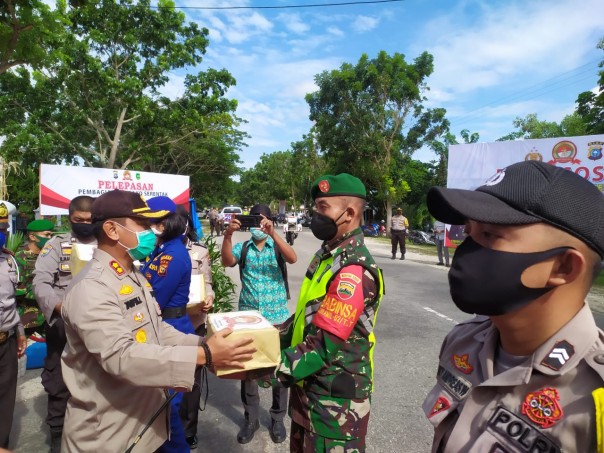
493, 60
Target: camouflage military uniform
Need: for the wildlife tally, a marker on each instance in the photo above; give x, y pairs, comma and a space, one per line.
327, 348
28, 309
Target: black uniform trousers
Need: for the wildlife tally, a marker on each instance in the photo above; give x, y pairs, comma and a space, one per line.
397, 237
251, 401
8, 387
189, 407
52, 378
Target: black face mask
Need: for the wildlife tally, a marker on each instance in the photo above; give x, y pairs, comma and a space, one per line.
82, 230
489, 282
323, 227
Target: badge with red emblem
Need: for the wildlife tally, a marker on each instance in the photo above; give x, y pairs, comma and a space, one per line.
324, 186
543, 407
442, 404
462, 363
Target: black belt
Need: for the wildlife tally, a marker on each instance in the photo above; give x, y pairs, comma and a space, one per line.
5, 335
398, 231
173, 312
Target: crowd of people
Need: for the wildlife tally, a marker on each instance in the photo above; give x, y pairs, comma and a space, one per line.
126, 352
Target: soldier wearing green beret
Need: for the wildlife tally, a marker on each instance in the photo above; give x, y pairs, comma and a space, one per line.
38, 233
327, 346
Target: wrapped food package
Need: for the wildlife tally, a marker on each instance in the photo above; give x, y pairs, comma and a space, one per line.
248, 324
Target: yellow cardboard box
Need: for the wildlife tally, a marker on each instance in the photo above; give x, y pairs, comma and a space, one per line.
246, 324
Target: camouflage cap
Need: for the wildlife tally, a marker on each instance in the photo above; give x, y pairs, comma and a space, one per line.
342, 185
40, 225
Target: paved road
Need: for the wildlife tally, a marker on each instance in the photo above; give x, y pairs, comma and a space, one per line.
415, 315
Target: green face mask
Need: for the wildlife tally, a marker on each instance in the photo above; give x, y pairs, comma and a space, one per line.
146, 243
41, 241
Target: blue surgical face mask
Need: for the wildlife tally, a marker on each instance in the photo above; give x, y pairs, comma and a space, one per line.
258, 234
146, 243
2, 239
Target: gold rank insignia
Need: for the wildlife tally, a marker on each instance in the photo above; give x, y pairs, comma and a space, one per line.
138, 317
125, 290
117, 267
141, 336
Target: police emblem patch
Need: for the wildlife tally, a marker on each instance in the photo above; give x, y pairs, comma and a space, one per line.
461, 362
141, 336
564, 152
594, 150
543, 407
442, 404
138, 317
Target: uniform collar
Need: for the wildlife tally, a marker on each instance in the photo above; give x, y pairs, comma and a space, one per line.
557, 356
106, 260
345, 239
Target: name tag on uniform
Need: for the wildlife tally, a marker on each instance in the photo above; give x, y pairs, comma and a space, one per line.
520, 433
66, 248
458, 386
64, 267
131, 303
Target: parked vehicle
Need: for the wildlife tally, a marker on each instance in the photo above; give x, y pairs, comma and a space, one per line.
227, 212
421, 237
371, 230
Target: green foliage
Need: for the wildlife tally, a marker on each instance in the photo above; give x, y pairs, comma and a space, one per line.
531, 127
590, 106
223, 285
15, 241
369, 116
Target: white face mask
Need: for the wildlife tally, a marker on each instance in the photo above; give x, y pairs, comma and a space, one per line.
156, 231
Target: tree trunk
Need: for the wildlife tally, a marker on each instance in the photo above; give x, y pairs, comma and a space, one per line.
388, 206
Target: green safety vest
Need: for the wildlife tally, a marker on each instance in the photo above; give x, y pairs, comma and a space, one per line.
315, 285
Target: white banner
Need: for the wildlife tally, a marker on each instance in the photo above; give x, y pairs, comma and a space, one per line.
61, 183
470, 165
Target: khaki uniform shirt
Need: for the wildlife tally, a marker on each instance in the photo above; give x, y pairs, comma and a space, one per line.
542, 405
52, 274
119, 358
399, 223
9, 318
201, 265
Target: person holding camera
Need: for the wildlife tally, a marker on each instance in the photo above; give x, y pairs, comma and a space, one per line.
261, 262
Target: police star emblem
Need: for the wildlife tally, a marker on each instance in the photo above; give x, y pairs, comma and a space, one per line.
543, 407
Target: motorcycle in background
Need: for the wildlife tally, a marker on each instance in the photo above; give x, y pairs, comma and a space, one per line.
372, 230
421, 237
291, 228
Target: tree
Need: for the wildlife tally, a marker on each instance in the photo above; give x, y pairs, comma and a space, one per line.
28, 28
590, 106
99, 101
369, 116
531, 127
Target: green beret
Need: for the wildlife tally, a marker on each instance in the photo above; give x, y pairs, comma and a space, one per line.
342, 185
40, 225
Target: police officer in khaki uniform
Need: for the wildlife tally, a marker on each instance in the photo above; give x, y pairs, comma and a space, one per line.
527, 375
398, 233
12, 334
52, 275
120, 356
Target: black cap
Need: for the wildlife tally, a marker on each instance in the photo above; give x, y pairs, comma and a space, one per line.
524, 193
261, 209
121, 203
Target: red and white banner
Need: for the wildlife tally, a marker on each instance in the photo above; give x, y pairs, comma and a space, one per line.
61, 183
470, 165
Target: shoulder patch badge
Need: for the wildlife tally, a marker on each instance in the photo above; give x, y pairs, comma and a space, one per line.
456, 385
46, 250
117, 267
559, 355
543, 407
442, 404
346, 289
125, 290
462, 363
